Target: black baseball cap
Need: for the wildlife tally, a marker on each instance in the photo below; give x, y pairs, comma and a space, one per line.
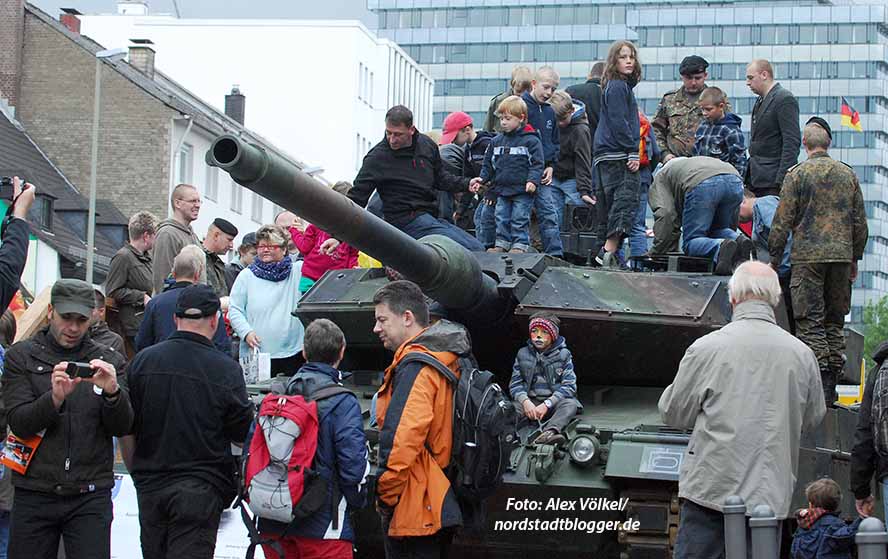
821, 123
73, 296
198, 300
225, 226
692, 65
249, 239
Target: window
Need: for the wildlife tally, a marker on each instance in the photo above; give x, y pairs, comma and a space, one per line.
237, 198
360, 80
357, 151
256, 208
184, 164
41, 212
212, 190
370, 90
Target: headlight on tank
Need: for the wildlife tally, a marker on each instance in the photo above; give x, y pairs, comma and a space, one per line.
583, 450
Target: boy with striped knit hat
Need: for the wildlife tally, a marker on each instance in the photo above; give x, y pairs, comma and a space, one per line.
544, 385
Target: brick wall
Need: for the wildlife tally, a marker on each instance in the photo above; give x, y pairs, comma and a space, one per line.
56, 107
11, 19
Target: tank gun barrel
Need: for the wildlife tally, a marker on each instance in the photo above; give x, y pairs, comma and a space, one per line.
443, 269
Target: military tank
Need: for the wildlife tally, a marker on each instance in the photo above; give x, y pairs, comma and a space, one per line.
627, 332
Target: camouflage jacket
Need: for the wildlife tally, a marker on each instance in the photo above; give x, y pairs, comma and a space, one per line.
676, 122
822, 206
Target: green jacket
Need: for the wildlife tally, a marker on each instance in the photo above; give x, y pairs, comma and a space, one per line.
822, 206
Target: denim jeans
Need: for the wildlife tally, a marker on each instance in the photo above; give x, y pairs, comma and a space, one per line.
425, 224
618, 189
547, 218
513, 221
485, 224
884, 484
710, 214
564, 192
638, 239
4, 532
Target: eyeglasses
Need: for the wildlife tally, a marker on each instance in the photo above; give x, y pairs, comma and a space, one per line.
192, 201
260, 248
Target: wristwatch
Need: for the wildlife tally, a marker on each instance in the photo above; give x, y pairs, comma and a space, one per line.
548, 403
115, 394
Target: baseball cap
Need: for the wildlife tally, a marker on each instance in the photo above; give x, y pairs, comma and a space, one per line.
692, 65
821, 123
198, 300
249, 239
452, 125
73, 296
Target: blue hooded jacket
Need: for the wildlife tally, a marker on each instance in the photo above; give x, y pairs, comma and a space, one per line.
829, 538
542, 117
619, 132
341, 458
512, 160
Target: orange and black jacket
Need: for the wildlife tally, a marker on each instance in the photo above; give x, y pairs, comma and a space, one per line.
415, 413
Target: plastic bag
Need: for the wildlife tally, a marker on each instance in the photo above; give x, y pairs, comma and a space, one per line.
256, 366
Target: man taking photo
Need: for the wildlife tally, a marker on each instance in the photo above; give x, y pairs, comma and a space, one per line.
61, 386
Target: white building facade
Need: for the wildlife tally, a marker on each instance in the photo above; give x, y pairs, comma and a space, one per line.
319, 89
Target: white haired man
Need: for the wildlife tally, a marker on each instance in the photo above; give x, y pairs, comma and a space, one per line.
737, 448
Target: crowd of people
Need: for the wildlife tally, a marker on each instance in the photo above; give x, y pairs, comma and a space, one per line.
152, 357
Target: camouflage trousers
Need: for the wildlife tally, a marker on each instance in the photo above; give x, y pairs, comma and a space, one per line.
821, 297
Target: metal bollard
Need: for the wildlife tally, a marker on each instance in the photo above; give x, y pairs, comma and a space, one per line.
735, 528
763, 525
871, 539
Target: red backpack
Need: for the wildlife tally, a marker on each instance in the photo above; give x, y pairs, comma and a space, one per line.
279, 482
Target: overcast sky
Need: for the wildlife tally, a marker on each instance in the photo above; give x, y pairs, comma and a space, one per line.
290, 9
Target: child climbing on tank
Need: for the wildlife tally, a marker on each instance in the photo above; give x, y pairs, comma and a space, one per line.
544, 385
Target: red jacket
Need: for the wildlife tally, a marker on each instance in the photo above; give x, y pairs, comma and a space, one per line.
316, 263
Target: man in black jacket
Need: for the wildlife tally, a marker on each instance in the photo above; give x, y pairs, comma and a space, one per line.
405, 168
462, 152
182, 466
14, 241
66, 489
865, 461
590, 94
774, 138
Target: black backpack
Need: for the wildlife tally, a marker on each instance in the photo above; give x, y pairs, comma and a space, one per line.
484, 428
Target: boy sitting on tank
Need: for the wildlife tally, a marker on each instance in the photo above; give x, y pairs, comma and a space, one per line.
544, 385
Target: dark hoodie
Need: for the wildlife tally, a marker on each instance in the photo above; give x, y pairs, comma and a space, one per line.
575, 159
542, 117
722, 140
865, 461
513, 160
619, 132
407, 179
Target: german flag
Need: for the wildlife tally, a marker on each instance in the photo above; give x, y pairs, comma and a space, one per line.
850, 117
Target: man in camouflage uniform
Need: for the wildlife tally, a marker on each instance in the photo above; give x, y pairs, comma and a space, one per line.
679, 114
822, 206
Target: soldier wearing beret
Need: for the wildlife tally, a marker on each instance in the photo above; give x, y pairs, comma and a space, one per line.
679, 114
219, 240
822, 206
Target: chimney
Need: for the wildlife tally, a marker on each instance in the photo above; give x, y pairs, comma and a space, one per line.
141, 56
132, 8
12, 29
70, 20
235, 103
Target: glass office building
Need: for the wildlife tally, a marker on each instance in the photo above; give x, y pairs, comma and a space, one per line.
821, 51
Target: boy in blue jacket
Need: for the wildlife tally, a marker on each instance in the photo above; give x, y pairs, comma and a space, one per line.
340, 459
544, 384
514, 165
541, 116
719, 133
821, 533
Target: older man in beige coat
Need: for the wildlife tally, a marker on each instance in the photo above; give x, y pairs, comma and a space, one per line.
747, 391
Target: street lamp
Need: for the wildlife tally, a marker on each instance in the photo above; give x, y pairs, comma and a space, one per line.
110, 55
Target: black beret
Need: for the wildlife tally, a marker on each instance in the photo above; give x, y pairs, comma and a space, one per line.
693, 65
821, 123
225, 226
